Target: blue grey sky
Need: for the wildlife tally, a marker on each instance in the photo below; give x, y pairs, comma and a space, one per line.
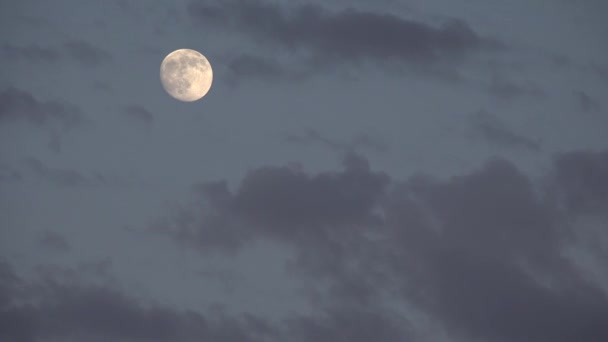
359, 171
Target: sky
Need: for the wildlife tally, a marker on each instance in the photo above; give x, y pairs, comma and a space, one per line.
382, 171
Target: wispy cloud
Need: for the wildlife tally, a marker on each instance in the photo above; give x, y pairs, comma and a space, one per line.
491, 129
19, 105
138, 114
324, 37
80, 51
359, 142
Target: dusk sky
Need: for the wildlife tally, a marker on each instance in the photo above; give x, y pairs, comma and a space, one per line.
360, 171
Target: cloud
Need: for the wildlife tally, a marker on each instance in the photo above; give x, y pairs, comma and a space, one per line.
86, 54
343, 36
56, 309
583, 180
480, 254
586, 102
348, 325
601, 71
492, 130
508, 90
19, 105
251, 66
62, 177
33, 169
139, 114
79, 51
54, 242
361, 141
283, 203
9, 174
31, 53
55, 117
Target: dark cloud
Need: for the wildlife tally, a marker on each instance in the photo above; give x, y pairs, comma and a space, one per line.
601, 71
480, 297
583, 180
9, 174
86, 54
343, 36
476, 246
139, 114
30, 53
61, 177
227, 279
96, 271
248, 66
101, 86
492, 130
55, 143
361, 141
35, 170
505, 89
54, 242
285, 203
19, 105
52, 309
481, 254
76, 50
586, 102
55, 117
348, 326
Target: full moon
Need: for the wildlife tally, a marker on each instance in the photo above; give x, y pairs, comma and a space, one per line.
186, 75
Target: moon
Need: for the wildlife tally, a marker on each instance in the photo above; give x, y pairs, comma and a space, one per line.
186, 75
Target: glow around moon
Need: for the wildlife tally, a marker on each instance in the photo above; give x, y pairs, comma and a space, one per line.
186, 75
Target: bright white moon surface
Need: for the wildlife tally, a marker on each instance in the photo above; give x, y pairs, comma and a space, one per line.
186, 75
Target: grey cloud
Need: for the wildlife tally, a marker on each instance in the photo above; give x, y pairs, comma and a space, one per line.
337, 199
139, 113
475, 252
361, 141
492, 130
30, 53
95, 271
101, 86
54, 242
508, 90
86, 53
62, 177
56, 117
55, 143
493, 211
462, 243
52, 309
480, 297
9, 174
281, 202
250, 66
586, 102
228, 279
346, 36
458, 247
33, 169
350, 325
76, 50
601, 71
583, 180
19, 105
